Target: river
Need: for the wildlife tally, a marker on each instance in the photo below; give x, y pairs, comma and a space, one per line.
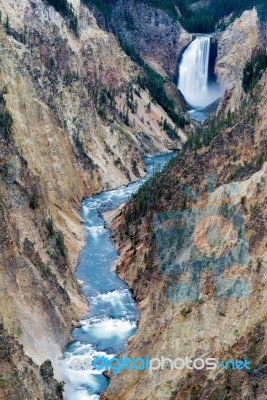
113, 313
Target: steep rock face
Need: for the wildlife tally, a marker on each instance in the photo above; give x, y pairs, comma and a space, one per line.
20, 379
152, 33
38, 166
235, 47
210, 326
71, 75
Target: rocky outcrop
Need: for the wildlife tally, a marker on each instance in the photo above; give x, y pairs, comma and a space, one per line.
39, 294
20, 379
152, 33
72, 75
235, 47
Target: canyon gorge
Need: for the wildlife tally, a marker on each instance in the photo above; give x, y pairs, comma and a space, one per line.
89, 96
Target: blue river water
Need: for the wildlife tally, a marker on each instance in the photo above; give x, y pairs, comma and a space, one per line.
198, 115
113, 313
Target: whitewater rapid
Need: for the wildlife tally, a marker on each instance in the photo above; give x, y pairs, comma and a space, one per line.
113, 313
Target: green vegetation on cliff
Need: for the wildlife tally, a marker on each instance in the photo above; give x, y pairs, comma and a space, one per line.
155, 83
104, 6
6, 120
254, 69
66, 9
170, 7
206, 19
219, 138
200, 20
148, 79
204, 134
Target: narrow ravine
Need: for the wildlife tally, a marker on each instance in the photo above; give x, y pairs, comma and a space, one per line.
113, 313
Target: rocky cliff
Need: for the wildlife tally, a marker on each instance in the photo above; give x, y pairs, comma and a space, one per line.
20, 379
235, 47
158, 38
211, 324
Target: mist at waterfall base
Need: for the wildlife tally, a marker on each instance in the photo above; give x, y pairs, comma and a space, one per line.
194, 82
113, 313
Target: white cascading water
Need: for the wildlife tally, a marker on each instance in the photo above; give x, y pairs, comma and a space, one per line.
194, 74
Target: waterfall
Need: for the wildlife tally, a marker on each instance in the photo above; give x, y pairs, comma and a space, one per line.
194, 74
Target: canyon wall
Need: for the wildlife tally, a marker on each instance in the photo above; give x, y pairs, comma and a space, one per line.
212, 324
235, 47
158, 38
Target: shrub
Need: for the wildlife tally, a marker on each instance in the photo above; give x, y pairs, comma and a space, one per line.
46, 370
60, 387
5, 89
34, 201
70, 76
60, 244
50, 227
195, 392
7, 25
185, 311
2, 383
6, 122
243, 200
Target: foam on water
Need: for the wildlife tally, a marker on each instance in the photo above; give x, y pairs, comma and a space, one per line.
108, 328
116, 298
95, 231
